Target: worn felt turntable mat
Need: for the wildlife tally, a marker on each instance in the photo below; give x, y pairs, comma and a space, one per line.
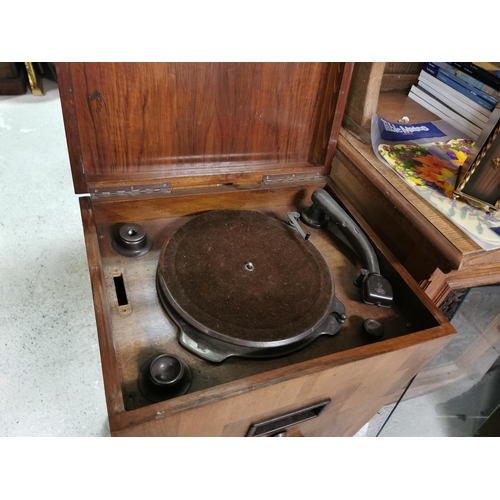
205, 266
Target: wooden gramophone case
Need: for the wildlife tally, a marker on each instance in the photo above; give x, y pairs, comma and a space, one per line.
158, 143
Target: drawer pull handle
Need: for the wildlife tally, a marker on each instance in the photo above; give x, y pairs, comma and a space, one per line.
276, 424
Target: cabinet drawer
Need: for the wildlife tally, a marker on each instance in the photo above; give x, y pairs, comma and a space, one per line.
357, 390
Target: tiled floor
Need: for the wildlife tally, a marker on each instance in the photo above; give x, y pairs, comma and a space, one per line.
50, 373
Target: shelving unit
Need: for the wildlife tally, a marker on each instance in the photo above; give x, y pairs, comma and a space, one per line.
439, 256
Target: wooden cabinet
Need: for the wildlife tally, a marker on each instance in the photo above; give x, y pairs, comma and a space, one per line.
157, 144
356, 390
439, 256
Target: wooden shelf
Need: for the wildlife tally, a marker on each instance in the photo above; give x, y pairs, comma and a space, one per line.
456, 240
393, 106
430, 246
440, 256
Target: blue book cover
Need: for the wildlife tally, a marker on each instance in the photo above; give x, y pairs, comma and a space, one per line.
431, 68
450, 81
391, 131
474, 82
467, 86
472, 89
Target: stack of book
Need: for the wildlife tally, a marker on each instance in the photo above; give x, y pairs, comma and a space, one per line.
463, 94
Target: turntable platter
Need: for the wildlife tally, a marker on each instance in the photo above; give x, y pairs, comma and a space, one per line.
245, 278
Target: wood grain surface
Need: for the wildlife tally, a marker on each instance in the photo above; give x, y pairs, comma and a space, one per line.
424, 214
109, 363
184, 202
364, 92
405, 68
159, 120
399, 77
129, 339
398, 83
439, 284
357, 391
390, 206
394, 105
65, 84
418, 234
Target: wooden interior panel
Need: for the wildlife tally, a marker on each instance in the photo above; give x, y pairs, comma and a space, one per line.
415, 306
161, 119
194, 201
393, 105
109, 363
147, 331
128, 339
403, 68
364, 92
357, 391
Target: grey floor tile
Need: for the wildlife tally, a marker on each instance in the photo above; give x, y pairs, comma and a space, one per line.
50, 374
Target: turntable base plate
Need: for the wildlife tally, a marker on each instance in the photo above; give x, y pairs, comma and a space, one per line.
246, 277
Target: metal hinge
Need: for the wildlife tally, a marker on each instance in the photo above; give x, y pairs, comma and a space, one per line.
295, 177
141, 189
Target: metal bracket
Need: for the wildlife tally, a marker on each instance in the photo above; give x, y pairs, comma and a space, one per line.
295, 177
141, 189
294, 218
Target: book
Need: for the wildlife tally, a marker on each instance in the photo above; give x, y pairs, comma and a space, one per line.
480, 73
457, 106
391, 131
444, 112
467, 133
450, 112
443, 88
456, 100
444, 77
449, 68
437, 71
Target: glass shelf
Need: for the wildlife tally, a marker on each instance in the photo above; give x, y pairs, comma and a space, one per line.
466, 374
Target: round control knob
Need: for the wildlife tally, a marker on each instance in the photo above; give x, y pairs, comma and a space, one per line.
373, 328
164, 377
166, 369
132, 241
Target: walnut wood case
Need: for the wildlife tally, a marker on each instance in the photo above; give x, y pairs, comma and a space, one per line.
157, 144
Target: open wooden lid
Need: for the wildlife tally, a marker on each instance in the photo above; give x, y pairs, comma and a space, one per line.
199, 123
